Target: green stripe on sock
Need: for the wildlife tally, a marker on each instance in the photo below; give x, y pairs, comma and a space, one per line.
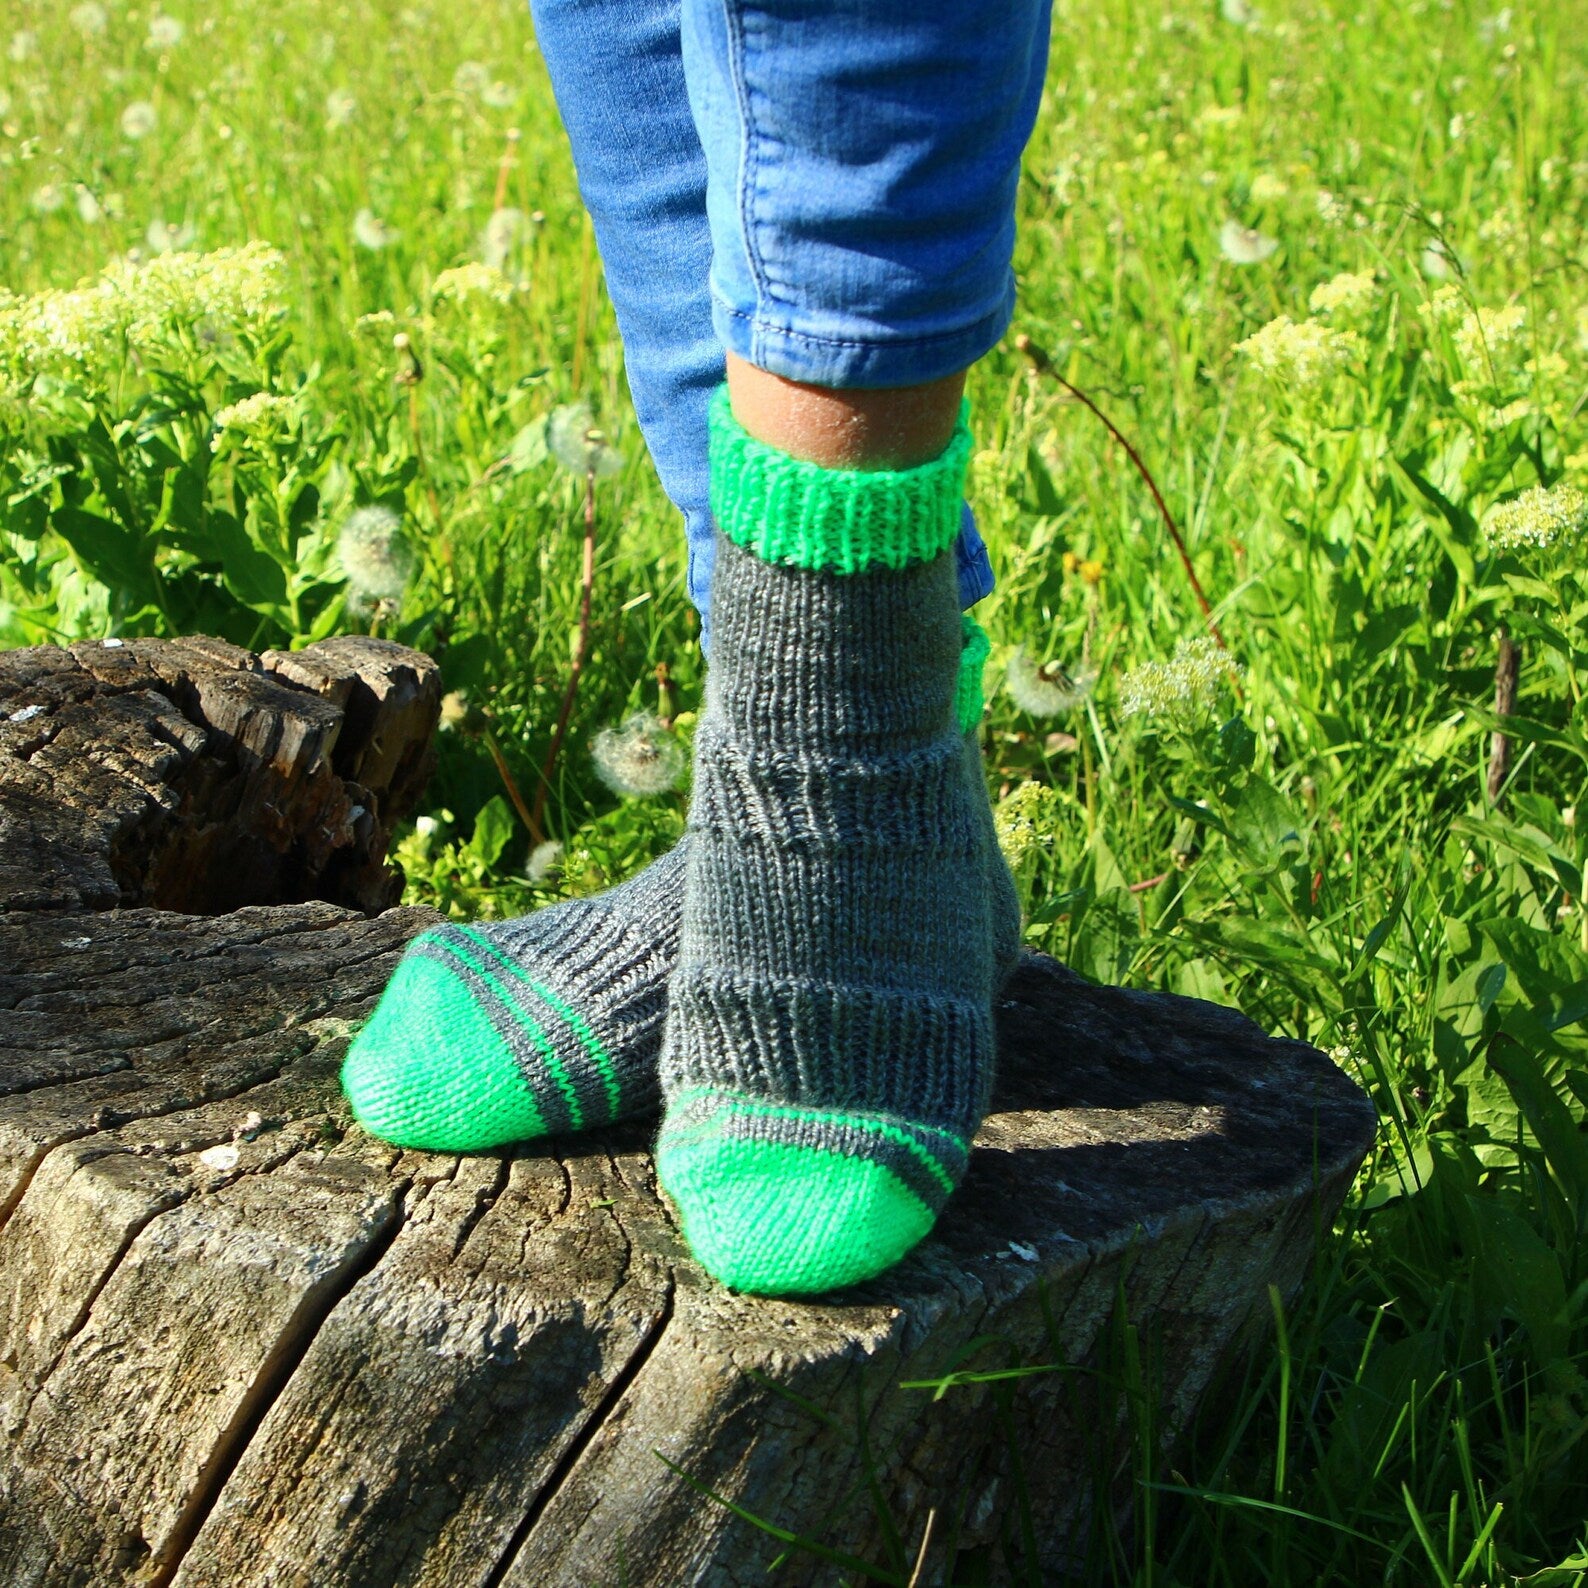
968, 698
531, 1027
789, 511
575, 1022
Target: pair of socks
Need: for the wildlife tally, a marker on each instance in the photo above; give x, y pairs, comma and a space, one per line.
804, 984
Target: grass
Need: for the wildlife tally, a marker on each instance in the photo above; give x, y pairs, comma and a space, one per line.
1322, 834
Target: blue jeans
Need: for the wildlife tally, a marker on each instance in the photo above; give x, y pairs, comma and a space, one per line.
825, 189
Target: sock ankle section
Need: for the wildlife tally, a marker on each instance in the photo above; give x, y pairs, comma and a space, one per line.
799, 514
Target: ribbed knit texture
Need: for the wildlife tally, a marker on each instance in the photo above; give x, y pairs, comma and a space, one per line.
462, 1053
828, 1045
504, 1031
1003, 898
844, 520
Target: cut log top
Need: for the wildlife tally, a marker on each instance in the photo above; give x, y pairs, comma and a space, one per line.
193, 775
242, 1342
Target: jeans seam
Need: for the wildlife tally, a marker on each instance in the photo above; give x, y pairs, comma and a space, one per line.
759, 328
748, 167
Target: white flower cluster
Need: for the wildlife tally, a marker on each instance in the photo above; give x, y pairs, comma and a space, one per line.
1184, 687
141, 308
1480, 336
262, 414
1537, 519
1299, 354
639, 758
1346, 295
473, 281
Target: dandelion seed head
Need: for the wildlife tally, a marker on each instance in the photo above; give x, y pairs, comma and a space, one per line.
471, 78
340, 108
501, 236
1435, 261
1184, 688
1243, 245
641, 757
139, 119
88, 18
375, 554
49, 198
1538, 519
1300, 354
166, 237
499, 96
165, 32
578, 445
1048, 690
1239, 13
543, 860
24, 45
89, 210
370, 231
1345, 295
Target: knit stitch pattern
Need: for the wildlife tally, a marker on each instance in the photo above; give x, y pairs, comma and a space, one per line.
843, 520
828, 1053
485, 1033
543, 1025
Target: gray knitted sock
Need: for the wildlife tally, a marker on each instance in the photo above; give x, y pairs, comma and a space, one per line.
503, 1031
828, 1049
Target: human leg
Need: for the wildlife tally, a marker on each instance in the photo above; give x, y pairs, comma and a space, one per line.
506, 1030
828, 1046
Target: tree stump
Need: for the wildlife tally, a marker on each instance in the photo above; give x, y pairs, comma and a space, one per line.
242, 1342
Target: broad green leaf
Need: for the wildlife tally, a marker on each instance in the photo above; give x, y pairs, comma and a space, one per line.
493, 831
1561, 1136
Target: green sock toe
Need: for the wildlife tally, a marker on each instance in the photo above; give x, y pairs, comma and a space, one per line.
785, 1201
430, 1070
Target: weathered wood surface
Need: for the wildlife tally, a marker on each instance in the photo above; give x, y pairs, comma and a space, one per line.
193, 775
243, 1343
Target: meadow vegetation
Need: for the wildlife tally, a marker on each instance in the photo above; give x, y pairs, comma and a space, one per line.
302, 330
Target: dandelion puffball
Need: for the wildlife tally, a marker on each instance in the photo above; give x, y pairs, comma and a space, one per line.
1048, 690
1242, 245
639, 758
370, 231
139, 119
375, 554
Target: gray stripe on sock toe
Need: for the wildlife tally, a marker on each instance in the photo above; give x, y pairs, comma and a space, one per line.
551, 1100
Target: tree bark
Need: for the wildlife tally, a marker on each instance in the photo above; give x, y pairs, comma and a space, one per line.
242, 1342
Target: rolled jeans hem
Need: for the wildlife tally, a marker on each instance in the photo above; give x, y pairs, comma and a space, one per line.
871, 364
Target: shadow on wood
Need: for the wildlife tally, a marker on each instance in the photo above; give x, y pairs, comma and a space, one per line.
242, 1342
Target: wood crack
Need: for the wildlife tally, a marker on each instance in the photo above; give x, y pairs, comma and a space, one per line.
595, 1423
272, 1379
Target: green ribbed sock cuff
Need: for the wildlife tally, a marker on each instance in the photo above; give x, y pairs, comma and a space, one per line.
968, 698
791, 512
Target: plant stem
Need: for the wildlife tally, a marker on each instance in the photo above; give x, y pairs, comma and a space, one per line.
1043, 365
576, 665
1507, 670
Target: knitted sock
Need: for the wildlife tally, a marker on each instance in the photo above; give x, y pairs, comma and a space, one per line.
537, 1026
455, 1057
828, 1047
